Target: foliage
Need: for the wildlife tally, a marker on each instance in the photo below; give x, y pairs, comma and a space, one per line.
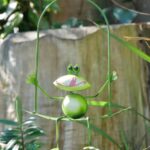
23, 15
123, 16
22, 134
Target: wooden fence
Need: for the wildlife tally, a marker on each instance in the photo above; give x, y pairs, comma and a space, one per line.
88, 48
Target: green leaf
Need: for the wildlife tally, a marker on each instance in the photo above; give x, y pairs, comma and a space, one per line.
34, 145
33, 129
29, 122
8, 122
29, 131
114, 76
34, 17
131, 47
16, 147
34, 134
104, 104
3, 3
123, 16
10, 144
101, 132
31, 79
10, 8
124, 139
13, 21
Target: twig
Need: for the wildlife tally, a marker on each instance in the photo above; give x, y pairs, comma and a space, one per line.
137, 38
147, 44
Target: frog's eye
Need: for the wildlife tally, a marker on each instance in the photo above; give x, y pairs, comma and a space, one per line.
76, 68
70, 68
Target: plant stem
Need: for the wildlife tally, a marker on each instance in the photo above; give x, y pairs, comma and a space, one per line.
108, 52
37, 56
116, 113
22, 137
57, 133
100, 90
89, 131
19, 114
57, 130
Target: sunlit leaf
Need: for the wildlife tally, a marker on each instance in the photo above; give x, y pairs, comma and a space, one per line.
28, 122
3, 3
90, 148
11, 7
55, 148
104, 104
10, 144
132, 48
13, 21
16, 147
114, 76
101, 132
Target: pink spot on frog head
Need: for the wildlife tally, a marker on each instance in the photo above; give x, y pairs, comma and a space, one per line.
73, 82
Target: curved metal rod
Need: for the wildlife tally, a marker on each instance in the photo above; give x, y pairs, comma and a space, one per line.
37, 53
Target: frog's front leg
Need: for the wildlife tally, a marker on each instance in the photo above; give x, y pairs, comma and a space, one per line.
108, 82
31, 79
47, 95
99, 91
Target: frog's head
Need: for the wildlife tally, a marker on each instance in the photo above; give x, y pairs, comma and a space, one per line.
72, 81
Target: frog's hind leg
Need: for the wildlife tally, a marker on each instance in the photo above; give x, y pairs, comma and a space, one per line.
88, 131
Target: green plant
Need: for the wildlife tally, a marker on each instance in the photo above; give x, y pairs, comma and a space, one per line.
22, 135
23, 15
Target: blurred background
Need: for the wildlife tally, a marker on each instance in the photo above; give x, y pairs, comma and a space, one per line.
22, 15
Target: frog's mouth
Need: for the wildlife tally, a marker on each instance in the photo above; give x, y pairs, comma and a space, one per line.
74, 82
71, 83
